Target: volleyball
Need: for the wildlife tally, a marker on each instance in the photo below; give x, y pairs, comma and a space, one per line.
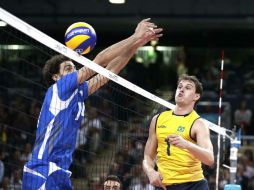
80, 37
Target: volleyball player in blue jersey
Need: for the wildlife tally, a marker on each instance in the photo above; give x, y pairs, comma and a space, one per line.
63, 109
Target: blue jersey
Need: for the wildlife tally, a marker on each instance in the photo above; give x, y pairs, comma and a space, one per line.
60, 118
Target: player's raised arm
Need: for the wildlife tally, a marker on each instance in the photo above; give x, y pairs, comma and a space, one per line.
136, 40
123, 50
142, 35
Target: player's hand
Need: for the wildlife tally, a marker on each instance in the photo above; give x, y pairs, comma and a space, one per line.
178, 141
147, 31
155, 179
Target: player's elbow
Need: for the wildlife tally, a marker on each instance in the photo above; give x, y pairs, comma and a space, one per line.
144, 165
210, 160
101, 59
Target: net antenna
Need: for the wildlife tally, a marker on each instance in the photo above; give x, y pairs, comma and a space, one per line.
219, 121
235, 141
62, 49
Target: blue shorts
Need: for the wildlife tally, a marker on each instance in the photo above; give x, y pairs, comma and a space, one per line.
47, 177
196, 185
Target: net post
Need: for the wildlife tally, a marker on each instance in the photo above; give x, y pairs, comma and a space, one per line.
235, 143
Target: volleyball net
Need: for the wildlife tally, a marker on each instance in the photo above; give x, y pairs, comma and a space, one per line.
110, 140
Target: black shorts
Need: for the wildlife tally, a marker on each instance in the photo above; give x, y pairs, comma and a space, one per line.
196, 185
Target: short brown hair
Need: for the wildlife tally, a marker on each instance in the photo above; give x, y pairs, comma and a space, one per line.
113, 178
52, 67
194, 79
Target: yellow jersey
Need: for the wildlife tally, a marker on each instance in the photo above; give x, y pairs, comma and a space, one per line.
180, 165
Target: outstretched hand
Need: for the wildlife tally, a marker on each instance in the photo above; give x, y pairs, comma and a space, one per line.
147, 31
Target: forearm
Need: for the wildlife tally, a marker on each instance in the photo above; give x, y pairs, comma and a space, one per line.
84, 73
116, 57
148, 165
96, 82
204, 155
119, 63
114, 66
115, 50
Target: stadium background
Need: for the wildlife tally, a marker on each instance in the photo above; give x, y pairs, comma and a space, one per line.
195, 32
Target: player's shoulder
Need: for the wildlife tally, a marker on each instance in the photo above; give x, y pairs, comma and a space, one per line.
70, 79
155, 117
165, 112
200, 123
160, 116
69, 76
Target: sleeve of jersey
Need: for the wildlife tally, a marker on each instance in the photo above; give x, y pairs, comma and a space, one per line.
85, 90
67, 85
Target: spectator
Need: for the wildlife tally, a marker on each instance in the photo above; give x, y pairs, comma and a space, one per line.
94, 130
15, 181
34, 112
112, 182
81, 142
116, 169
143, 184
242, 117
247, 160
180, 64
251, 184
225, 178
5, 184
1, 166
240, 178
27, 153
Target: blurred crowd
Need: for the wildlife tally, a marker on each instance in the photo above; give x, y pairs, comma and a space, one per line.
106, 118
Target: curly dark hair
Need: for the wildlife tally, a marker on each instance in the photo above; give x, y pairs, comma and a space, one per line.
52, 67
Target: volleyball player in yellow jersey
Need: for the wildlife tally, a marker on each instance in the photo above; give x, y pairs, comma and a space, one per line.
179, 141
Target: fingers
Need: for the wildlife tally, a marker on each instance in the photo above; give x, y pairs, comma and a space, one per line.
158, 183
157, 30
146, 20
173, 139
149, 25
173, 135
177, 141
155, 33
147, 31
151, 30
156, 180
163, 187
161, 184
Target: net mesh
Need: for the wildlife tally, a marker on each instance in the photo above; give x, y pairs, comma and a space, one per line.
111, 138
